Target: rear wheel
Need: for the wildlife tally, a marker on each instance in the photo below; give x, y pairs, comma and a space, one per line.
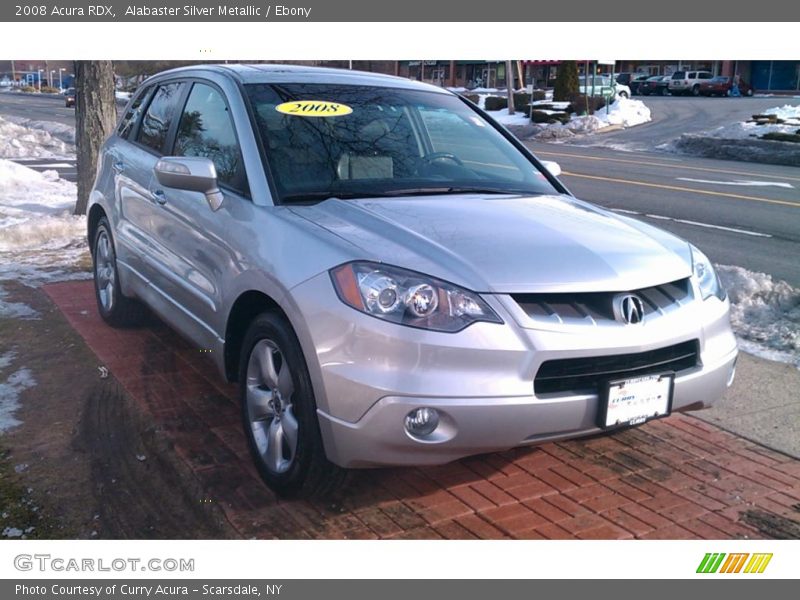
117, 310
279, 413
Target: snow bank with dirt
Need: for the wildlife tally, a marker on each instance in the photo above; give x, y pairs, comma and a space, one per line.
20, 139
790, 114
624, 112
40, 238
765, 314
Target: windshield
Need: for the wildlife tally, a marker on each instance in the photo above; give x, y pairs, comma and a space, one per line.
346, 141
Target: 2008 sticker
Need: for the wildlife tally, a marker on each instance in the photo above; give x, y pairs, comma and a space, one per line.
313, 108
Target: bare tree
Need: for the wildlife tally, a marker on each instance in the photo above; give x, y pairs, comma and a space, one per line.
95, 118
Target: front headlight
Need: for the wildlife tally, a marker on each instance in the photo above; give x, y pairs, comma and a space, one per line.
705, 276
409, 298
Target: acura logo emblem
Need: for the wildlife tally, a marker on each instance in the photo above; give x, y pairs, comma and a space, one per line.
628, 308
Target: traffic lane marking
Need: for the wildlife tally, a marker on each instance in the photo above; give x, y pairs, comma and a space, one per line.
677, 188
672, 165
779, 184
688, 222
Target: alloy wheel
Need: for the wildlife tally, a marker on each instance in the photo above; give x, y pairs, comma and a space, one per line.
104, 271
270, 409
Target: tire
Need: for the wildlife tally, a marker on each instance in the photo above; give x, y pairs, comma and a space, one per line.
116, 309
749, 92
279, 413
623, 94
695, 90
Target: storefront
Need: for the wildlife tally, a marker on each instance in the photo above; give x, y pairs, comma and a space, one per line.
775, 75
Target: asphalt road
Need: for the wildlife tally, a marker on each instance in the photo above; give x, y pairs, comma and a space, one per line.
37, 108
675, 115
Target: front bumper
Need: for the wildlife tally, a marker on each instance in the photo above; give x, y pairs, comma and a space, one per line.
369, 374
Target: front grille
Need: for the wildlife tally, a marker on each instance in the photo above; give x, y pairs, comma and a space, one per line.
586, 375
596, 308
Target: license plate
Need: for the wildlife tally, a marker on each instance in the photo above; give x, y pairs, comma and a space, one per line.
636, 400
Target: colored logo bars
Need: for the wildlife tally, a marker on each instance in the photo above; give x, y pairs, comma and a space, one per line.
713, 563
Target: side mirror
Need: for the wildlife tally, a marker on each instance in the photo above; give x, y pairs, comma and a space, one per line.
190, 173
553, 167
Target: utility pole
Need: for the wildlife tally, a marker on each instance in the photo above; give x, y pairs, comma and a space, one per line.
510, 86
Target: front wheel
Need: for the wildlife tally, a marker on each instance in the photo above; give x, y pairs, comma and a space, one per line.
279, 413
696, 90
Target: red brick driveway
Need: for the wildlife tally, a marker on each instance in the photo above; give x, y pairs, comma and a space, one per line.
676, 478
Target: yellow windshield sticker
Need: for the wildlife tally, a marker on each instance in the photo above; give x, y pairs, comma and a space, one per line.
313, 108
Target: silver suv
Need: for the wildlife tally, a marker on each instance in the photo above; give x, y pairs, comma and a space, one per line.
688, 82
390, 276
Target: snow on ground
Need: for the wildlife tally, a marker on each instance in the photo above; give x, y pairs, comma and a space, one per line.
61, 131
623, 112
40, 239
744, 129
23, 141
10, 388
765, 314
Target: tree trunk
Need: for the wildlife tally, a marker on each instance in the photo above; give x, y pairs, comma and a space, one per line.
95, 119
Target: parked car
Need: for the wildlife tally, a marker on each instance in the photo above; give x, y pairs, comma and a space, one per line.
602, 85
688, 82
632, 80
390, 275
69, 98
658, 85
722, 86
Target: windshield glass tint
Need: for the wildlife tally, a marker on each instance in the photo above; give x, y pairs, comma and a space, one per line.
325, 140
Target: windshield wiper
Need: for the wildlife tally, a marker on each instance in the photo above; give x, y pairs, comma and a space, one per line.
454, 190
321, 195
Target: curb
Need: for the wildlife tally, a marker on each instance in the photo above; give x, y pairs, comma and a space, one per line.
746, 150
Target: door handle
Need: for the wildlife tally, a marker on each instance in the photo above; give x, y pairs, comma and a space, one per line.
160, 197
118, 166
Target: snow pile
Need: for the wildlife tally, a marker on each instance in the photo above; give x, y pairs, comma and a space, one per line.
61, 131
747, 129
765, 314
626, 112
623, 112
10, 389
20, 141
39, 237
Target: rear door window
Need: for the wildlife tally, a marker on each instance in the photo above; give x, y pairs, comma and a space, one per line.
131, 117
157, 120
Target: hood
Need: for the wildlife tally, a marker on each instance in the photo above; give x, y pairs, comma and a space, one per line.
507, 244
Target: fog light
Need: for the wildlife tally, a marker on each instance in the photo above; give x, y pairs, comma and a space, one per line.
422, 421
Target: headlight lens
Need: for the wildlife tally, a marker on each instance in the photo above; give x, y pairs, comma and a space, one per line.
409, 298
705, 276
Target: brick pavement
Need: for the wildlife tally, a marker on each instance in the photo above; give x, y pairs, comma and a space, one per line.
676, 478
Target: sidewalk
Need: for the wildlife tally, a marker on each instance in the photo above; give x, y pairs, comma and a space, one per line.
677, 478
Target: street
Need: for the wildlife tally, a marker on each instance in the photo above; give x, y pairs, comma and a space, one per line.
37, 107
675, 115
